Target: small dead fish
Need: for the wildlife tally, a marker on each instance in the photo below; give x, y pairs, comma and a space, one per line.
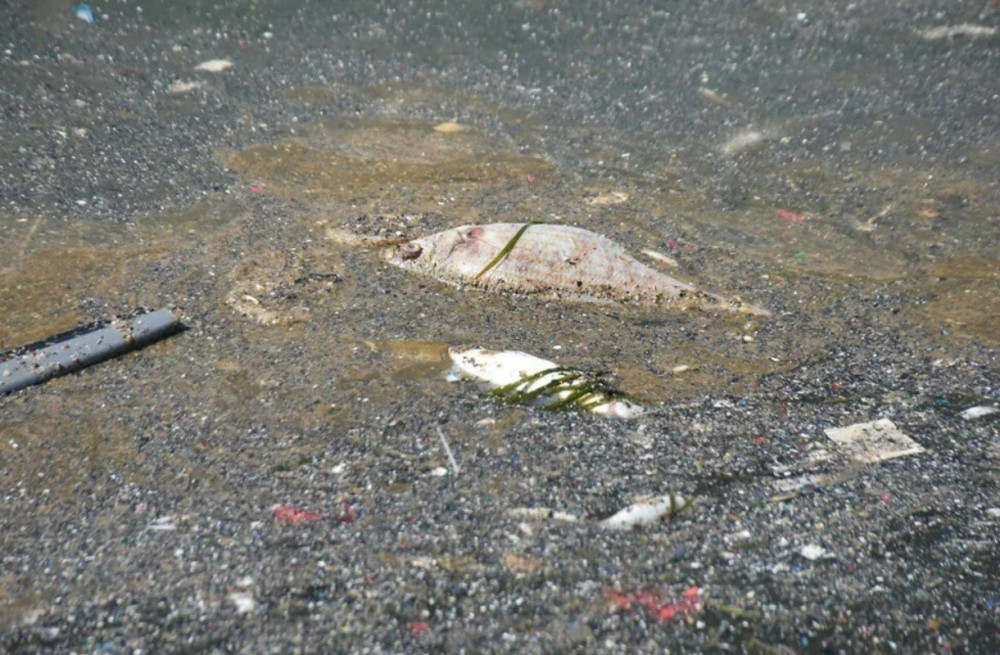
520, 377
555, 261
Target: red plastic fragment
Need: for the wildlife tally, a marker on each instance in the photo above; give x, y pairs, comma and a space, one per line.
673, 244
664, 607
290, 514
419, 627
531, 179
791, 217
256, 189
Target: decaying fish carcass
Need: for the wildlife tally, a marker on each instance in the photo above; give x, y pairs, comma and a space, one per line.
520, 377
556, 261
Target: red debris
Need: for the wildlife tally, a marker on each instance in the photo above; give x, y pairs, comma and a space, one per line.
290, 514
531, 179
759, 440
673, 244
419, 627
664, 607
256, 189
791, 217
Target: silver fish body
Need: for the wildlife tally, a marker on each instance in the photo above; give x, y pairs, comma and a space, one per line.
555, 261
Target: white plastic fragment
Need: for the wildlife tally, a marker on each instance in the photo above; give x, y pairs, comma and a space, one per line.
84, 13
875, 441
511, 367
978, 411
742, 141
244, 602
450, 127
447, 450
162, 524
645, 513
951, 31
214, 65
660, 257
993, 512
184, 86
813, 552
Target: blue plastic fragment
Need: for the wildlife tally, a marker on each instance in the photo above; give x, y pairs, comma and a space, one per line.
84, 13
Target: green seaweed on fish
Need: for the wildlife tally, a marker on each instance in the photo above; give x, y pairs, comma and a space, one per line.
584, 392
506, 250
678, 507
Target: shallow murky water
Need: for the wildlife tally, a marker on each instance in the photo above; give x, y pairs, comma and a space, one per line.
766, 155
376, 338
394, 175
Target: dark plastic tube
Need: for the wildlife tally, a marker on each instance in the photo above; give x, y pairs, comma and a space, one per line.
80, 348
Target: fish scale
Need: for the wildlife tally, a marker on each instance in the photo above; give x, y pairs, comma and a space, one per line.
558, 261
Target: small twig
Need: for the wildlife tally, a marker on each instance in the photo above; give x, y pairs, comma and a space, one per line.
447, 449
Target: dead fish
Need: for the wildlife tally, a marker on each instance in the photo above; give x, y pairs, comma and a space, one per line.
520, 377
555, 261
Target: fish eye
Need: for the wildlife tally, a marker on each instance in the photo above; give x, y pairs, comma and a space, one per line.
410, 250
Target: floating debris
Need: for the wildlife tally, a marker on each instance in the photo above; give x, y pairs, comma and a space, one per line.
84, 13
608, 198
644, 513
523, 378
743, 141
875, 441
553, 261
71, 351
450, 127
972, 413
660, 257
790, 216
660, 605
214, 65
951, 31
870, 224
447, 449
713, 95
289, 514
162, 524
243, 601
184, 86
813, 552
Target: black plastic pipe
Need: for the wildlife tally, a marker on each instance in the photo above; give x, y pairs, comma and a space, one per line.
82, 347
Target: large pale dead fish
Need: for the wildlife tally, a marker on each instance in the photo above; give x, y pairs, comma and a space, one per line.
555, 261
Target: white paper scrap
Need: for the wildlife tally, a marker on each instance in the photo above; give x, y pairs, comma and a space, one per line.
874, 441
